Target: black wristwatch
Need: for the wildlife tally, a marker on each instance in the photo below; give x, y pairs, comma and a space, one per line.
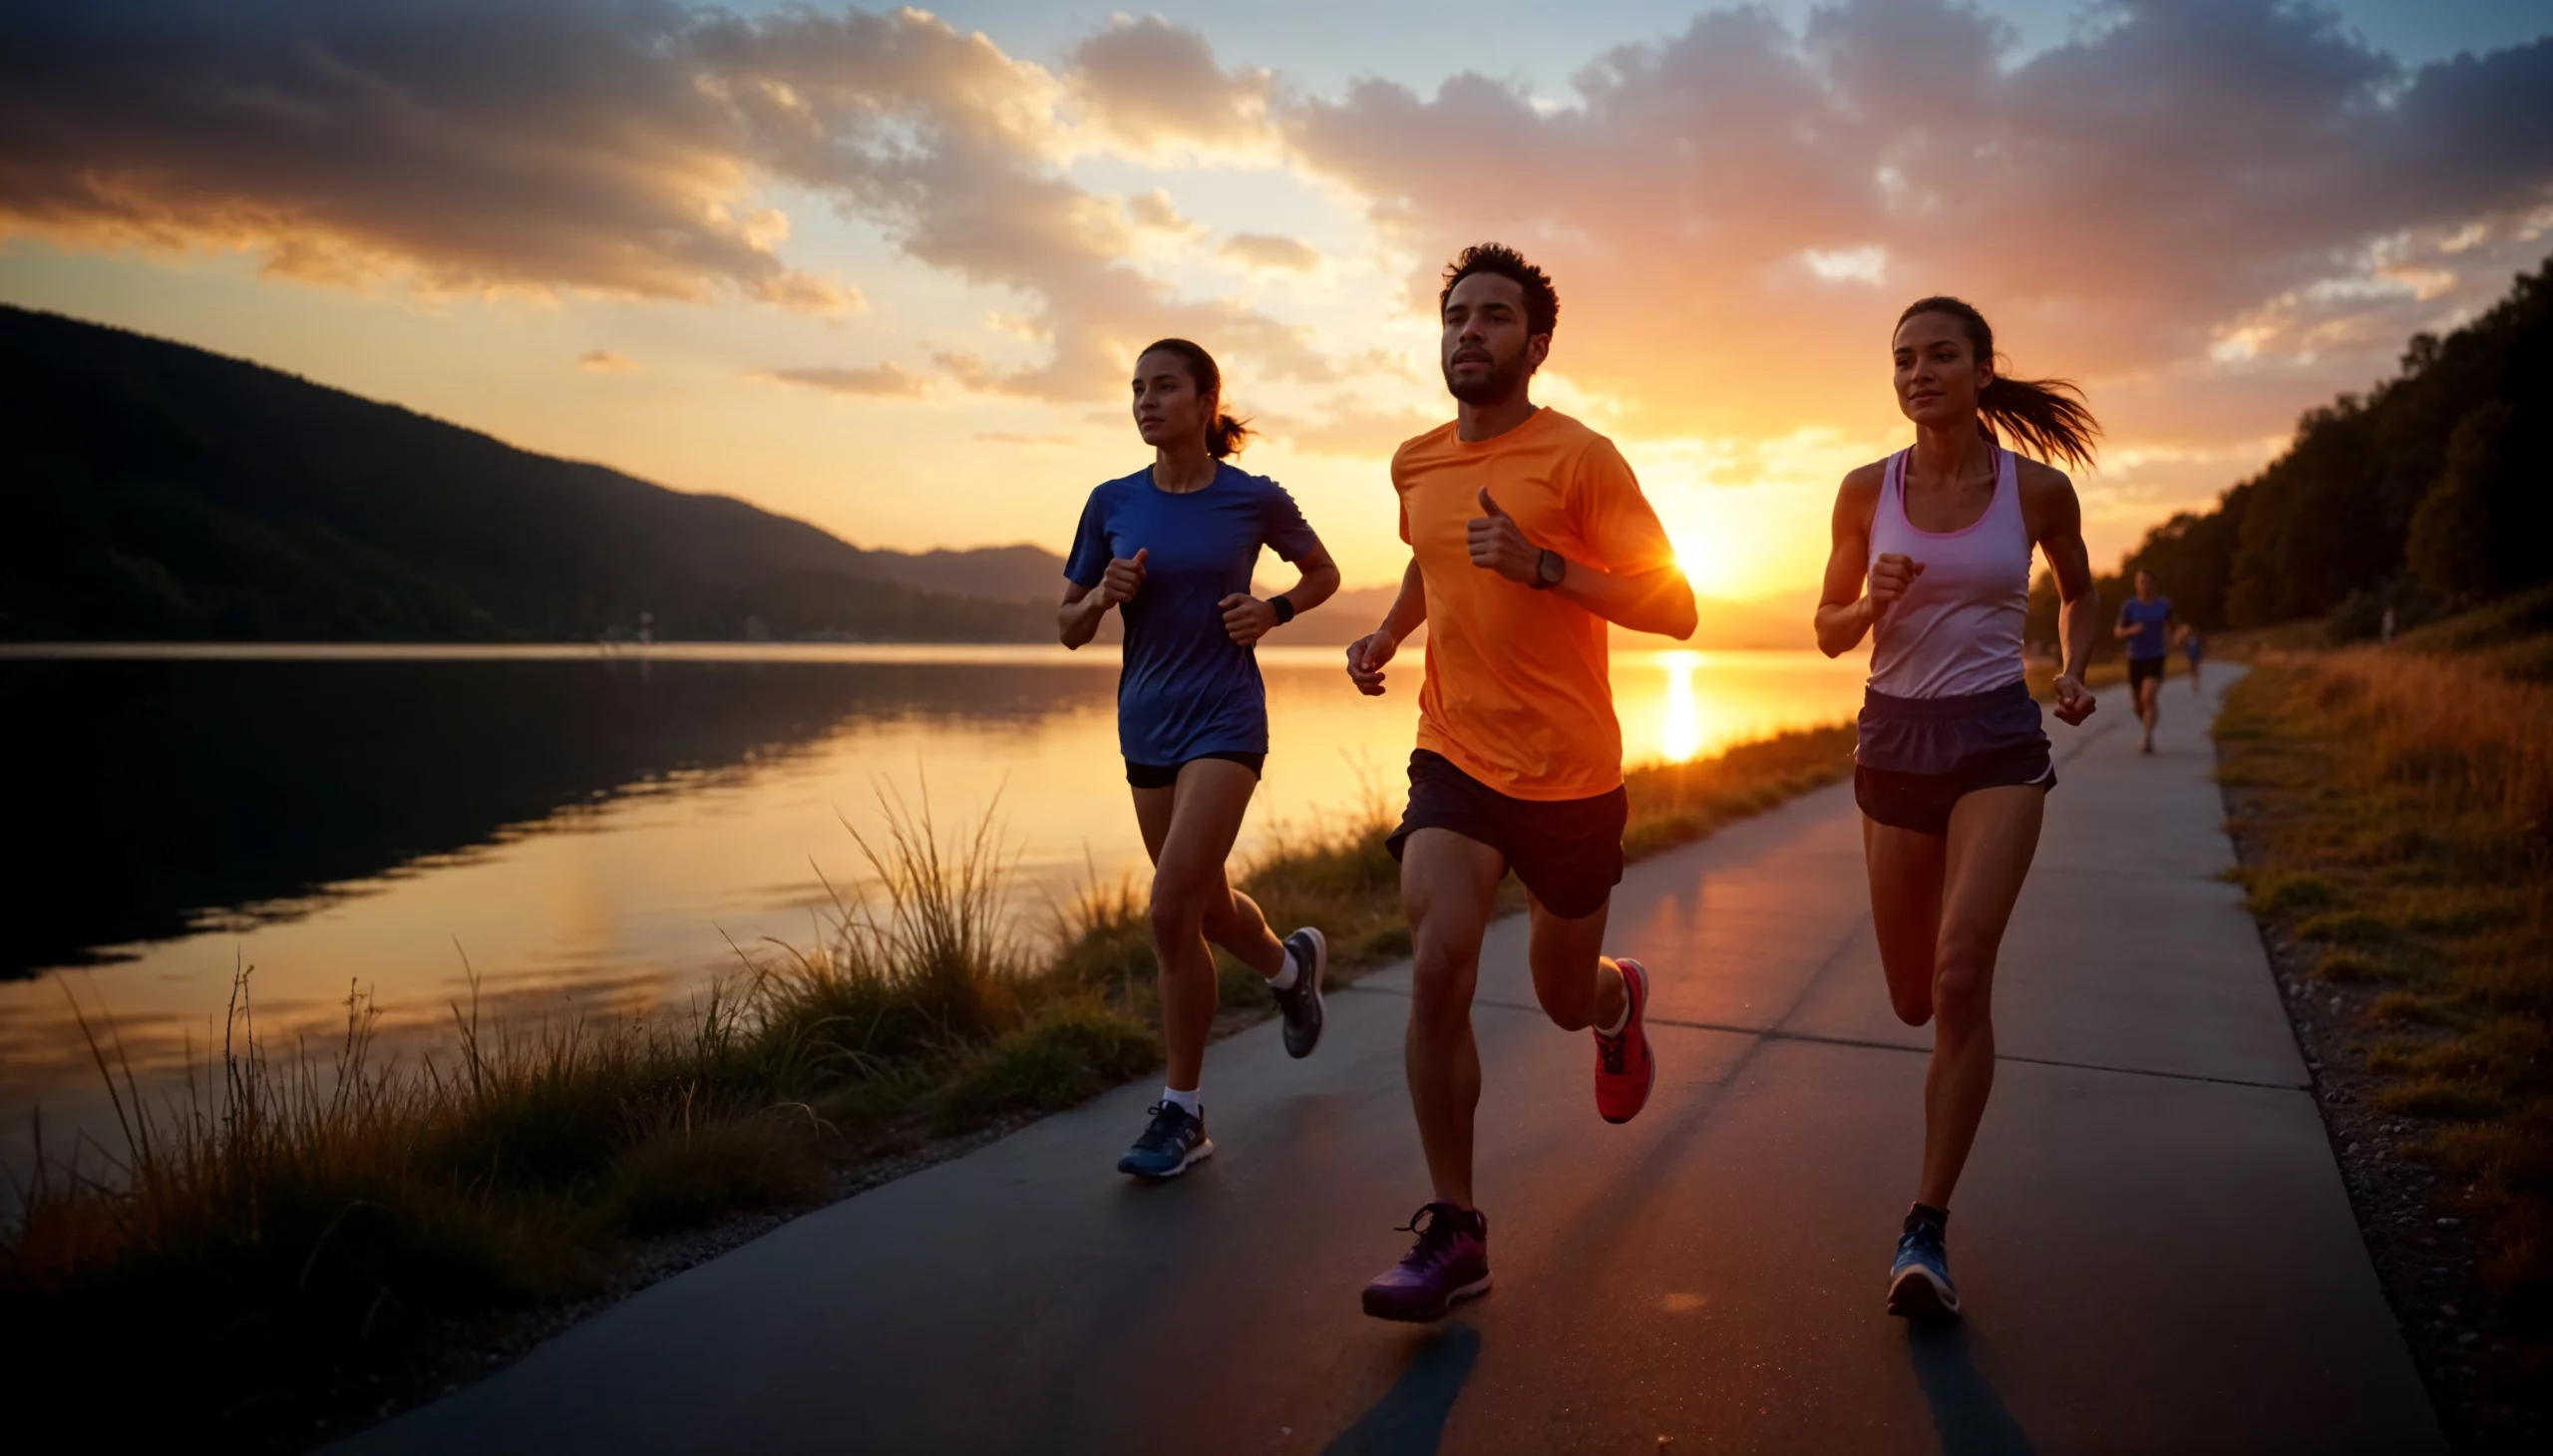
1284, 609
1548, 567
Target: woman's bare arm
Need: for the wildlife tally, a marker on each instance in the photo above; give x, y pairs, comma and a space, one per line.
1845, 612
2054, 516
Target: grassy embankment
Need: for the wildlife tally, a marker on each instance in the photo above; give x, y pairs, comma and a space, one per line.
2402, 803
303, 1219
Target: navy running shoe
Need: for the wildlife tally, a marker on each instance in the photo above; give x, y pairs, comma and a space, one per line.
1300, 1004
1174, 1141
1918, 1283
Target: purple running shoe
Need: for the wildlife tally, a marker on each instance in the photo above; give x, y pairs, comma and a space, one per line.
1450, 1261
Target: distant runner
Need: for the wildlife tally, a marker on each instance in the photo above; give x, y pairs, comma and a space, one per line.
1173, 546
2145, 624
1528, 533
2194, 647
1952, 768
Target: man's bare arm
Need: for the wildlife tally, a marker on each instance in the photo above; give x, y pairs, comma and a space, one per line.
1368, 654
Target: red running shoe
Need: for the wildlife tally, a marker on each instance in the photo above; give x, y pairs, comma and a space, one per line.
1625, 1066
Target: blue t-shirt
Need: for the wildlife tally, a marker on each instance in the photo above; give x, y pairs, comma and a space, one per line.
1186, 688
2156, 640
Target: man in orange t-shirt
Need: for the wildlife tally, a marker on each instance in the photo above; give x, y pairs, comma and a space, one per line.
1528, 533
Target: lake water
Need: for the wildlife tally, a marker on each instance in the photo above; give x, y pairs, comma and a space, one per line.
591, 829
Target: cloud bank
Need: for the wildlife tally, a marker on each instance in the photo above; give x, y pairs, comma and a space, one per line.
1734, 212
2186, 200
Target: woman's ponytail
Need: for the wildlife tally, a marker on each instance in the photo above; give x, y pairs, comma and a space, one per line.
1225, 436
2047, 418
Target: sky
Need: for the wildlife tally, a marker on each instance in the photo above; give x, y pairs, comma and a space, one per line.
884, 270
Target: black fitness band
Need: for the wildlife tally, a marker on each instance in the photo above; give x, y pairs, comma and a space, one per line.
1284, 609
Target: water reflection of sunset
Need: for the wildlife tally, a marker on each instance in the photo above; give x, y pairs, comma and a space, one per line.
628, 899
1681, 732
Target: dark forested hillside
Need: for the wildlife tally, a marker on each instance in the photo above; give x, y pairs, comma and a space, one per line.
150, 491
2429, 492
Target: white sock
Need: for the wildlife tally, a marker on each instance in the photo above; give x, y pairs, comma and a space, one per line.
1186, 1101
1283, 980
1624, 1019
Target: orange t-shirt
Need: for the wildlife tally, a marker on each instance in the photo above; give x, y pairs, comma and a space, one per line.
1516, 692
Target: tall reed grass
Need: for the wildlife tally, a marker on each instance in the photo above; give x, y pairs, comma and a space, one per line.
2467, 740
296, 1214
2402, 798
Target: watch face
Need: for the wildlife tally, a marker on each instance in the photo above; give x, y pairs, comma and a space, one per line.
1550, 567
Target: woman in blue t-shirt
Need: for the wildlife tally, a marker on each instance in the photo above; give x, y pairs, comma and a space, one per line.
1173, 546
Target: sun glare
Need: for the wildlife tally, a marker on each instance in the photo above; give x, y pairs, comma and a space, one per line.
1705, 557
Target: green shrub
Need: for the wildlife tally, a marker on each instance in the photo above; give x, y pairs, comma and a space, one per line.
2343, 966
1060, 1061
2438, 1097
2404, 1009
684, 1177
2345, 928
2274, 893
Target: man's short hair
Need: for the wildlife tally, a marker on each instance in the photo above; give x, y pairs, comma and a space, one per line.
1542, 301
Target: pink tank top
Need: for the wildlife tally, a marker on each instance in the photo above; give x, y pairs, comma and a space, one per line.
1958, 629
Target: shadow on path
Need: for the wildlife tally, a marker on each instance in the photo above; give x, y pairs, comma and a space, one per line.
1966, 1413
1409, 1421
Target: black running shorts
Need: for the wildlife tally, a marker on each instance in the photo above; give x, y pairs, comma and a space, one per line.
2141, 668
1568, 851
1922, 801
1164, 776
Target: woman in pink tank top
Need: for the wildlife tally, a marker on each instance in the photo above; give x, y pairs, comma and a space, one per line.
1931, 561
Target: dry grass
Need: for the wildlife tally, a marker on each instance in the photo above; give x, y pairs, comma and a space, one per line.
2403, 798
302, 1216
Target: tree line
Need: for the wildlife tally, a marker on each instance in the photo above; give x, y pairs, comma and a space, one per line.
2424, 494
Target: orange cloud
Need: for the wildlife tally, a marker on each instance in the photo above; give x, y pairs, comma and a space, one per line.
1350, 429
605, 361
882, 381
1735, 214
1154, 210
1268, 250
482, 148
1152, 83
2211, 212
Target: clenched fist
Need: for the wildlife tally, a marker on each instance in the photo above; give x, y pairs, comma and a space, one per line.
1890, 576
2075, 702
1245, 618
1125, 578
1366, 658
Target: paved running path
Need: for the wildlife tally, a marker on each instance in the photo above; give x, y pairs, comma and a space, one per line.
2152, 1239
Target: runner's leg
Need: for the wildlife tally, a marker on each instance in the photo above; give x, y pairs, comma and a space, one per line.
1578, 986
1188, 888
1449, 886
1904, 869
1986, 854
1233, 919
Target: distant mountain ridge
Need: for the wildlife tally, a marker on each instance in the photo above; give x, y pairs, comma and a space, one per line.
154, 491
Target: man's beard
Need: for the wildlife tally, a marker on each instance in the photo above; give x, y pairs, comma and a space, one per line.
1499, 383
